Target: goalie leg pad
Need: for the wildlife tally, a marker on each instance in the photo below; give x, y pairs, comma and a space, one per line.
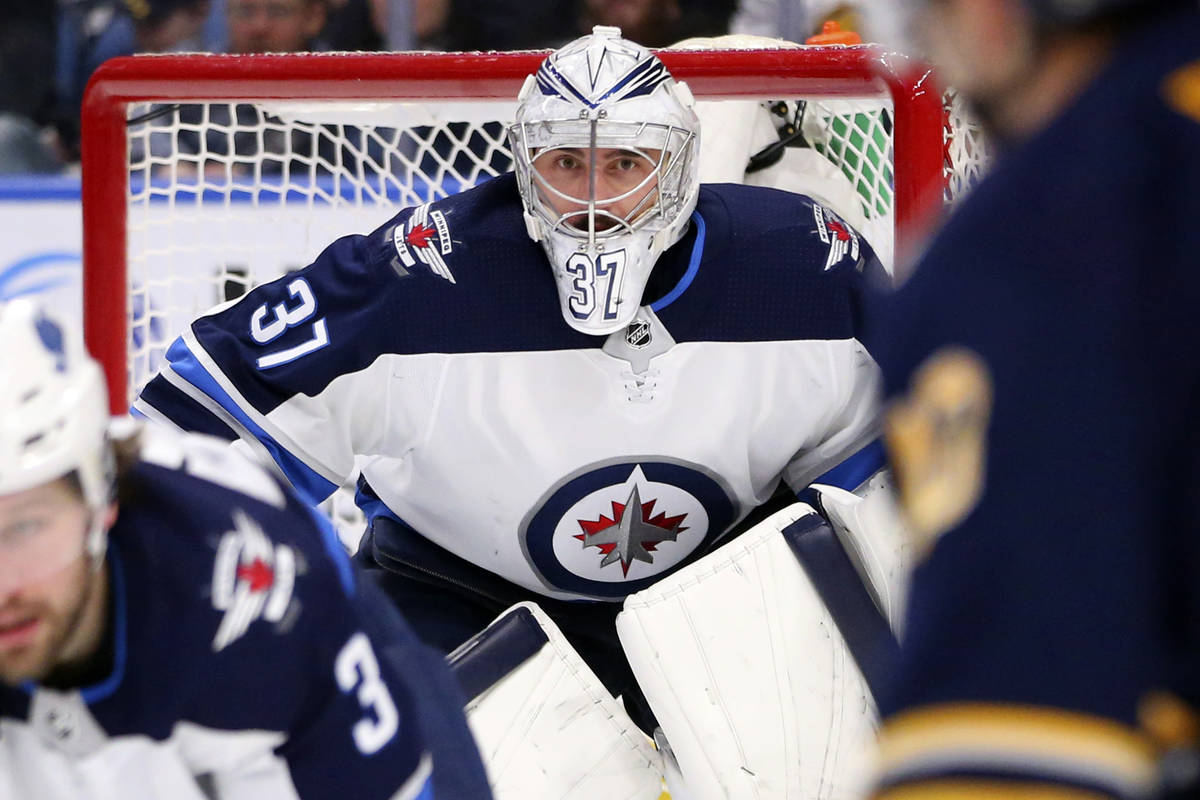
862, 625
545, 725
871, 529
749, 676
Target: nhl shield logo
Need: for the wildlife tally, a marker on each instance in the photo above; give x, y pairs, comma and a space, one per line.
612, 529
638, 334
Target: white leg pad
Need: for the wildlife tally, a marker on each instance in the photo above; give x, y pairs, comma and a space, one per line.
749, 677
549, 730
872, 531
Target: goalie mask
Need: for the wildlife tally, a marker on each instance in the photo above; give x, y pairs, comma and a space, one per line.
53, 421
605, 145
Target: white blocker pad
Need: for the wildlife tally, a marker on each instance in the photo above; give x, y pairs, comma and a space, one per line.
546, 727
869, 524
749, 675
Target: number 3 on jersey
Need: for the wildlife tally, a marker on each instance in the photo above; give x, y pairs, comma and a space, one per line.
607, 271
356, 668
269, 323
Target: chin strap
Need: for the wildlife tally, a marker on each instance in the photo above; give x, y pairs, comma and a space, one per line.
532, 226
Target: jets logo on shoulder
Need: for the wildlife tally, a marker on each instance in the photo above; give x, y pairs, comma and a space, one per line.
425, 238
840, 237
252, 578
611, 529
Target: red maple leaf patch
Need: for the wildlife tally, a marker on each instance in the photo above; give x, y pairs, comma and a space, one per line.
840, 230
419, 236
257, 574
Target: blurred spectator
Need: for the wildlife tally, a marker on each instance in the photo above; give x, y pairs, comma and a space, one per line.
658, 23
26, 86
227, 141
274, 26
794, 20
92, 31
148, 26
355, 25
497, 24
216, 28
536, 24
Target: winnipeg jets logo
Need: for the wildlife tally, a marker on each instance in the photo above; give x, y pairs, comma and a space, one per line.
842, 240
632, 533
252, 578
613, 528
425, 238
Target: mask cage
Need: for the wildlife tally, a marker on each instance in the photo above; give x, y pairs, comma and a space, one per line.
593, 220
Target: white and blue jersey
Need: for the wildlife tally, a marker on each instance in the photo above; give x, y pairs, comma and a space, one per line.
246, 662
431, 355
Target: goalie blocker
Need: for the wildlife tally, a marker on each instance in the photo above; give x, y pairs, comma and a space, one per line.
760, 662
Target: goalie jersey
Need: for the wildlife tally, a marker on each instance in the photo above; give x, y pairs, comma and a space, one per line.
246, 660
431, 354
1052, 647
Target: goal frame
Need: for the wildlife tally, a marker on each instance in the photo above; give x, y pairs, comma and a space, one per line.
832, 71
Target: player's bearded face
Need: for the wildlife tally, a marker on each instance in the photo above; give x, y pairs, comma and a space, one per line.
615, 185
47, 583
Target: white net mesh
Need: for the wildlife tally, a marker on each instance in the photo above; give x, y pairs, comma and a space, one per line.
966, 149
224, 196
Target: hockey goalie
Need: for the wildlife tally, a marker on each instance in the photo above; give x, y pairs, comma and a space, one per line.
571, 388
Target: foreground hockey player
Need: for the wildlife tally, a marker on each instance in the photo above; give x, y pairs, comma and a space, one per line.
1046, 362
175, 624
565, 384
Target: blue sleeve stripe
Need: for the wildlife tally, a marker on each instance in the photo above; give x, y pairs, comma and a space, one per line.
333, 546
312, 487
693, 267
366, 499
854, 471
183, 410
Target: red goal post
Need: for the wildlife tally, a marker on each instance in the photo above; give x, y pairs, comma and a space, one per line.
132, 298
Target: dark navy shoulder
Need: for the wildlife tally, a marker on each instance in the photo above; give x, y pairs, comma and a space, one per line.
203, 526
222, 580
768, 265
188, 490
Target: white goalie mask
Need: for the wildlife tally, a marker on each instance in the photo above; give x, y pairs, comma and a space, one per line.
53, 415
605, 144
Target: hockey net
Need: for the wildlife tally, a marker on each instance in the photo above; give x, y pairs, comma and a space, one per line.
206, 175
